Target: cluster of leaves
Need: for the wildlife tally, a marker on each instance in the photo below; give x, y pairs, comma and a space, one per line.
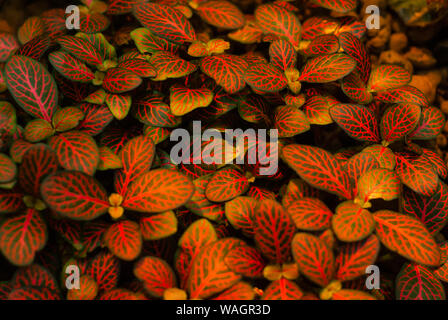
86, 178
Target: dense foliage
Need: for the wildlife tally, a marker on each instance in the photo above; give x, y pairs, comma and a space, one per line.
86, 177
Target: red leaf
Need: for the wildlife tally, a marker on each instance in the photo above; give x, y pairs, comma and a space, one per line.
165, 22
265, 77
314, 258
319, 168
274, 230
124, 239
156, 275
21, 236
76, 151
227, 70
221, 14
157, 191
357, 121
75, 195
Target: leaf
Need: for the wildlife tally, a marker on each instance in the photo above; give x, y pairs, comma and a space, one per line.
384, 155
31, 28
416, 282
170, 66
296, 189
141, 68
82, 49
341, 6
359, 164
282, 54
385, 77
34, 275
314, 258
156, 275
118, 80
118, 7
119, 105
351, 222
310, 214
417, 174
18, 149
35, 48
158, 191
21, 236
88, 289
439, 165
100, 44
353, 258
265, 77
165, 22
146, 42
38, 162
209, 273
319, 168
378, 183
34, 293
158, 226
10, 201
356, 89
407, 236
8, 169
350, 294
282, 289
93, 23
323, 44
240, 212
67, 118
290, 121
254, 108
226, 184
278, 21
8, 119
8, 44
327, 68
221, 14
246, 261
153, 111
37, 130
239, 291
399, 120
76, 151
199, 234
358, 122
184, 100
124, 240
405, 94
274, 230
317, 109
92, 235
431, 124
32, 87
431, 211
200, 205
227, 70
137, 156
316, 26
96, 118
104, 268
70, 67
356, 50
75, 195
